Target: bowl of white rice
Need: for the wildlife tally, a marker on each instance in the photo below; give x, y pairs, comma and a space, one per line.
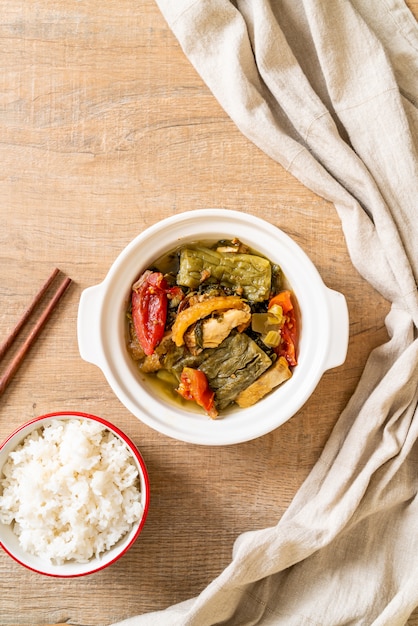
74, 494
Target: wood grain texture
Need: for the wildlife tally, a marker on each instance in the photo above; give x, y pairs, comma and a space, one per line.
105, 128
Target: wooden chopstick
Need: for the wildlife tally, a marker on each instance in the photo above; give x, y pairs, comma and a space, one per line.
26, 315
21, 353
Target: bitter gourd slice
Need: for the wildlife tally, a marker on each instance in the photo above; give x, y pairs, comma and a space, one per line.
247, 274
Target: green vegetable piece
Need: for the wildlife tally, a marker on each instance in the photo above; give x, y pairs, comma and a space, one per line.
248, 272
272, 338
176, 358
229, 368
275, 315
258, 322
268, 325
233, 366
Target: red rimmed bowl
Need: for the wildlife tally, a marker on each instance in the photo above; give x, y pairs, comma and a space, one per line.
86, 438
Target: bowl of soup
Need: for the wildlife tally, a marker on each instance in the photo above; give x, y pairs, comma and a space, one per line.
213, 327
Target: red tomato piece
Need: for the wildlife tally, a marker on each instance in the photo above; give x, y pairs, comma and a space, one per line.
284, 299
149, 309
175, 292
194, 386
289, 331
287, 345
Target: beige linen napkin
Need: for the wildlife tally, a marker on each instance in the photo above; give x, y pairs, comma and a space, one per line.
329, 89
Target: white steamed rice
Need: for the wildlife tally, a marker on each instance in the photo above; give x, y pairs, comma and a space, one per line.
70, 491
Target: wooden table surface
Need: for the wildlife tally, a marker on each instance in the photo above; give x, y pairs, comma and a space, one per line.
105, 128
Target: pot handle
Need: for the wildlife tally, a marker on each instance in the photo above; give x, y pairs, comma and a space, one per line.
88, 324
339, 334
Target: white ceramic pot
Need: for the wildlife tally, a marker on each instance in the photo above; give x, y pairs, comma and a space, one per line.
102, 328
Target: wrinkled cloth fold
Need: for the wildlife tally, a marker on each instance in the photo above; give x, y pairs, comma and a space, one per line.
329, 89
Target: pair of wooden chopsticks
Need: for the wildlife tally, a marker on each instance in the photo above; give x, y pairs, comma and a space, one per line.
21, 353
